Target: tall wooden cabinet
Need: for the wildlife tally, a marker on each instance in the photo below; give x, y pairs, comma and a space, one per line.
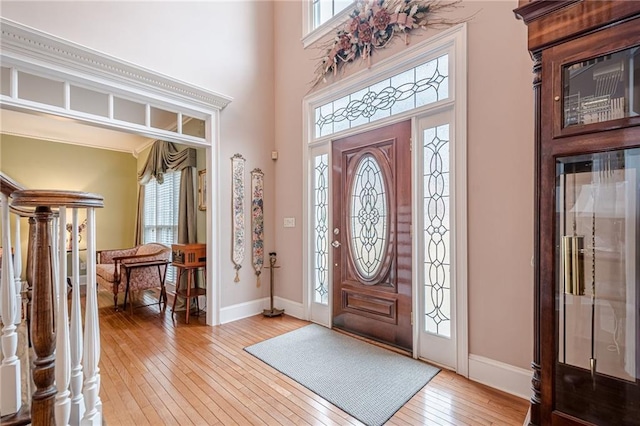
586, 82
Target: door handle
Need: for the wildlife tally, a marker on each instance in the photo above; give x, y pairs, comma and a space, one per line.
336, 244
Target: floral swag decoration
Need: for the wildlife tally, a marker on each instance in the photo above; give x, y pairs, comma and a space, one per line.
373, 24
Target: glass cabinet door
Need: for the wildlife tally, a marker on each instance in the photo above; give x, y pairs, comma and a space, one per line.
602, 89
594, 82
597, 368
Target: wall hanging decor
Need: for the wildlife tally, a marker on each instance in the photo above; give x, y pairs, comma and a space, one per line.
373, 24
257, 222
237, 205
202, 190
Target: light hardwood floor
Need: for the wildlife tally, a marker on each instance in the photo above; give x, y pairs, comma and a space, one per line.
156, 370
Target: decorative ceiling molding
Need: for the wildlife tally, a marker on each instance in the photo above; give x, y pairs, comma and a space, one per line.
22, 42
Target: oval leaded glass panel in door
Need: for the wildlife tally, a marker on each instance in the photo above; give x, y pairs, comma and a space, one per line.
368, 217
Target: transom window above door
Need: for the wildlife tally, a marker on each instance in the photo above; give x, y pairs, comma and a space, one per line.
414, 88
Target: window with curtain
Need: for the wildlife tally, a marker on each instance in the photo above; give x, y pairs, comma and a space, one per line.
161, 213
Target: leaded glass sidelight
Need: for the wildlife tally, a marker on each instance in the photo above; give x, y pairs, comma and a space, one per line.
368, 217
437, 244
321, 228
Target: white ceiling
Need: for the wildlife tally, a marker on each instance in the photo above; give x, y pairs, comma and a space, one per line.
58, 129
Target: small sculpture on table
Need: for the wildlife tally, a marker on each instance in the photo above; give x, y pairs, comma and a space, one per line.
273, 312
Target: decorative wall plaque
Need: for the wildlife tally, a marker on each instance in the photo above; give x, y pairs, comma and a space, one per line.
237, 206
257, 222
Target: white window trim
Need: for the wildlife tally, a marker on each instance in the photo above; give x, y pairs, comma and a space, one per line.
311, 35
25, 48
454, 41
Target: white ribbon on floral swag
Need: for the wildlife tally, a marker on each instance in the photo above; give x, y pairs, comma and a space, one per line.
237, 206
257, 222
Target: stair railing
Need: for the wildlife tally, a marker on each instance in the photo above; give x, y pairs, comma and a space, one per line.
10, 304
65, 366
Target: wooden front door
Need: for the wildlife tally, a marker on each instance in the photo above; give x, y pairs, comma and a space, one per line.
371, 234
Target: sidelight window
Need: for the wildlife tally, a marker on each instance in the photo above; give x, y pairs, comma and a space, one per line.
321, 228
437, 231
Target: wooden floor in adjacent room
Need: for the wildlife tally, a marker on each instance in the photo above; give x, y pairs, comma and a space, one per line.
156, 370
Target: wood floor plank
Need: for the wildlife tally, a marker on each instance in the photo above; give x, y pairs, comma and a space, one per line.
155, 369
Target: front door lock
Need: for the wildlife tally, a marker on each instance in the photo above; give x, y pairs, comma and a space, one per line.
336, 244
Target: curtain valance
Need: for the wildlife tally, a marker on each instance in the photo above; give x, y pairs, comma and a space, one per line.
165, 156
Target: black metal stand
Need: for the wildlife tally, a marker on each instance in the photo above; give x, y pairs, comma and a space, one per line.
273, 312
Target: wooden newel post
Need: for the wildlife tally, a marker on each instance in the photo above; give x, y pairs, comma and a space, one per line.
43, 333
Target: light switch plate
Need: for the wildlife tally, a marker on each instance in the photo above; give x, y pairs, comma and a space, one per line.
289, 222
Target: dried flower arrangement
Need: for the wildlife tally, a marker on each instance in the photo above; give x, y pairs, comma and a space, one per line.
373, 24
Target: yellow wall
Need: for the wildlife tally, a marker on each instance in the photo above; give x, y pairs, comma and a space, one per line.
38, 164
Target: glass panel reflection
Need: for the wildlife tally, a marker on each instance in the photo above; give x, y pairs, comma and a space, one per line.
597, 294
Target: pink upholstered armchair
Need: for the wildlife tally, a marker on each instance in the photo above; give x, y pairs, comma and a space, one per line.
134, 269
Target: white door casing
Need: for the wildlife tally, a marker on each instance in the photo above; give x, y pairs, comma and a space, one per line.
451, 42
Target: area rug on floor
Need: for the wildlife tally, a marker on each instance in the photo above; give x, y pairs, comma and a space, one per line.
366, 381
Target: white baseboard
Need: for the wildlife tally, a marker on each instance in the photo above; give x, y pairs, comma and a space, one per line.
498, 375
291, 308
243, 310
255, 307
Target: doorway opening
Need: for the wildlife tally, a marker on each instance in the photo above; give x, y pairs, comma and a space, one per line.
84, 86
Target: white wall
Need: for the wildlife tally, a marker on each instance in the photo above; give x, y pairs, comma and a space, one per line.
500, 169
251, 50
226, 47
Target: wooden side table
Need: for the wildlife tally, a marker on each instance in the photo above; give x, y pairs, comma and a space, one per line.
188, 292
128, 267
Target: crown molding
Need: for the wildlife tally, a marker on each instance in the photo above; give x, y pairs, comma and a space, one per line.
538, 8
30, 45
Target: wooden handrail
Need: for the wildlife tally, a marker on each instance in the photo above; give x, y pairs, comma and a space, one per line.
56, 198
22, 212
8, 185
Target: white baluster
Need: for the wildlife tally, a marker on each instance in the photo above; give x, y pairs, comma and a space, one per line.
77, 400
17, 270
63, 362
93, 405
10, 384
